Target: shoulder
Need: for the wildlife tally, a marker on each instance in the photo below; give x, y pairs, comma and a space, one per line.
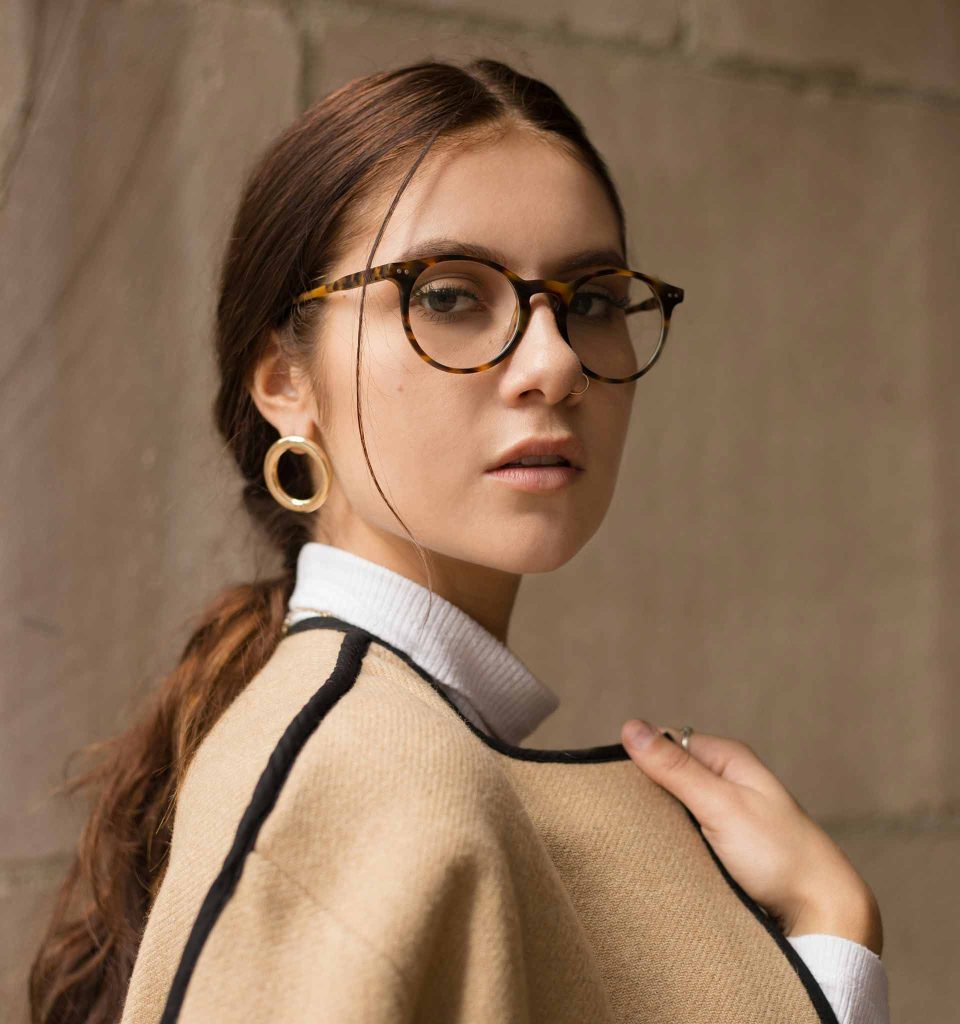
389, 799
381, 743
345, 733
355, 784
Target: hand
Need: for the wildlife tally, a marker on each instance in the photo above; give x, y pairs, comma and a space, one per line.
762, 836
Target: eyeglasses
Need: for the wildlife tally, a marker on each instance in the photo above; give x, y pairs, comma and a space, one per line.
464, 314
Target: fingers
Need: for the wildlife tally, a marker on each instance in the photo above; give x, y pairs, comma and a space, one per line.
678, 771
731, 759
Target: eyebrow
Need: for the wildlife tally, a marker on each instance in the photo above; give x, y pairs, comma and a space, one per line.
575, 261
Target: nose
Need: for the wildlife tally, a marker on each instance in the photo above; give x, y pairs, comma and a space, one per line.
543, 332
552, 301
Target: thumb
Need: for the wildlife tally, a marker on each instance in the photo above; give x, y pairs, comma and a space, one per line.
664, 761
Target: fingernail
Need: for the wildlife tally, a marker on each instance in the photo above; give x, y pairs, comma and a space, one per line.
639, 733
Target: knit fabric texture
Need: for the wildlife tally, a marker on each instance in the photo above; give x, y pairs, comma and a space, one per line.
348, 846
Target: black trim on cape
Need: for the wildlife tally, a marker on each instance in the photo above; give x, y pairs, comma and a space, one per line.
300, 729
355, 643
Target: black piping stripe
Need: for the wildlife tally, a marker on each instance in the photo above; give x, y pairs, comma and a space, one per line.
584, 755
587, 755
303, 725
820, 1002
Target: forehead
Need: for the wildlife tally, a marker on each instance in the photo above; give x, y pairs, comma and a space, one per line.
531, 205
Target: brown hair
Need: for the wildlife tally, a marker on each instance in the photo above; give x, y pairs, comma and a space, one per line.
302, 203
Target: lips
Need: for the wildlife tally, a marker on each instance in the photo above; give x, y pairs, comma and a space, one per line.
536, 479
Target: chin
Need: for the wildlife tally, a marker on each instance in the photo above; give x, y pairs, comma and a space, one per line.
526, 553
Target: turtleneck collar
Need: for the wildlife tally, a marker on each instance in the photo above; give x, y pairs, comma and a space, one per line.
483, 677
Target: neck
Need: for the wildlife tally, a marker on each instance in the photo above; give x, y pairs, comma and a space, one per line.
486, 594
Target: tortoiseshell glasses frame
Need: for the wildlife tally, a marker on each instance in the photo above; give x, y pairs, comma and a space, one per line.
405, 274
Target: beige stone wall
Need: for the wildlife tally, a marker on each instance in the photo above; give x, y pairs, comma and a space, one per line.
782, 561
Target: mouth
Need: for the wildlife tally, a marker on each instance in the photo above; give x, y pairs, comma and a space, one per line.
544, 451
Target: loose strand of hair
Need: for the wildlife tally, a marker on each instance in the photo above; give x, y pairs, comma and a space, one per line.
363, 292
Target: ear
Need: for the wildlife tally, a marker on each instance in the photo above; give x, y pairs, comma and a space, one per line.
282, 393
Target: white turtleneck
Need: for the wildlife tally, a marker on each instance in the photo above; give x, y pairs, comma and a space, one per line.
501, 696
483, 677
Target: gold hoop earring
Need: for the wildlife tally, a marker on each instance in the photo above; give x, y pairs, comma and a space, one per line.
585, 386
296, 443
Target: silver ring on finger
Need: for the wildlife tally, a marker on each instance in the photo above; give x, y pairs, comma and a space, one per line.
685, 734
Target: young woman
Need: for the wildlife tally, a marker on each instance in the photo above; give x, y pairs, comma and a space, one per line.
325, 814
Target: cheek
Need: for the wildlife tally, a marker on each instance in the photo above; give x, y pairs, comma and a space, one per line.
418, 429
426, 429
460, 436
607, 422
420, 425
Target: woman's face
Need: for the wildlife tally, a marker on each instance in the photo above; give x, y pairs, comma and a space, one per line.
431, 435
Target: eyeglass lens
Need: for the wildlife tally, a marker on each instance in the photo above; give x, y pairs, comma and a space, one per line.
463, 315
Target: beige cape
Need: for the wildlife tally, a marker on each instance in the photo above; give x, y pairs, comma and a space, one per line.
347, 847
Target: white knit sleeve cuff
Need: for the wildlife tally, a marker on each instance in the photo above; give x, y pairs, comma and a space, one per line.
853, 978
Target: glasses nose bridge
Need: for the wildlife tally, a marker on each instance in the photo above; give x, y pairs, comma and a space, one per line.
558, 292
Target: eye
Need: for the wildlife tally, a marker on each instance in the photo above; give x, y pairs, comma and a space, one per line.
437, 300
596, 304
